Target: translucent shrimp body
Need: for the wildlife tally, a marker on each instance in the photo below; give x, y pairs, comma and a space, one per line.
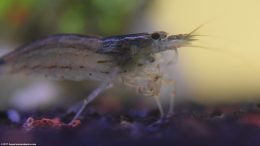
80, 57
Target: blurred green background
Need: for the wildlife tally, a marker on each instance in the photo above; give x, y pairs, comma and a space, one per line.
26, 20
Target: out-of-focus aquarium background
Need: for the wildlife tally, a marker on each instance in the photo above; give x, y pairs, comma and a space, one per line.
223, 65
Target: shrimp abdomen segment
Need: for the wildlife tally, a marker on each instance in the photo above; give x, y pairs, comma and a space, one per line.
61, 57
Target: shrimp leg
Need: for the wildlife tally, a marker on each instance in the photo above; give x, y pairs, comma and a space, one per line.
159, 105
172, 96
95, 93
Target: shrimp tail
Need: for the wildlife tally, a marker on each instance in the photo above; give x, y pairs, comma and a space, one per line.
2, 66
2, 61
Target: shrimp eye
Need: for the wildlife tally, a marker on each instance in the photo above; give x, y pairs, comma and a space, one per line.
155, 35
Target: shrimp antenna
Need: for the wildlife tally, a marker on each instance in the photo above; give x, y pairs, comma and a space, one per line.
196, 29
202, 47
215, 49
